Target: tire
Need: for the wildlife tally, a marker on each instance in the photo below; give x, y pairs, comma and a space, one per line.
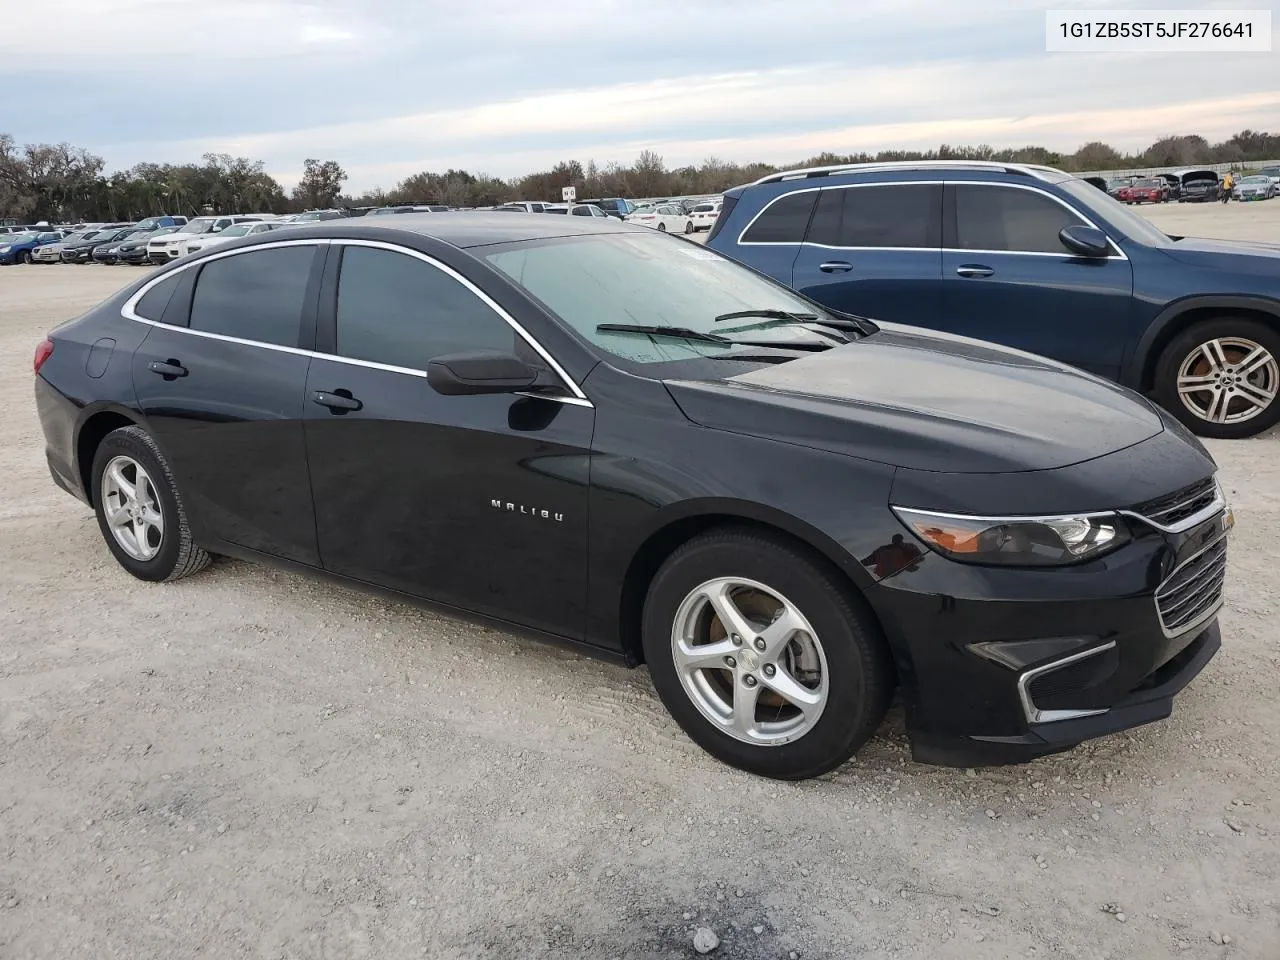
26, 257
1237, 339
662, 228
174, 552
856, 675
688, 227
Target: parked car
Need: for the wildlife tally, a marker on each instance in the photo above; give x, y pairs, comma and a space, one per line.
525, 206
1172, 186
170, 247
21, 247
81, 251
704, 215
977, 248
1151, 190
583, 399
52, 252
615, 207
577, 209
409, 208
1258, 187
231, 233
1199, 186
667, 218
133, 249
312, 216
151, 224
1273, 173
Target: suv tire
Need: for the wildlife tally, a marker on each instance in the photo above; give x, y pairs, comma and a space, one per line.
1233, 400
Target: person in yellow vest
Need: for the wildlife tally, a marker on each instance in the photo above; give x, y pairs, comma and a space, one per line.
1227, 183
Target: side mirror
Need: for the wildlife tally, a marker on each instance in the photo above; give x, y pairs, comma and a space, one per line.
1084, 241
464, 374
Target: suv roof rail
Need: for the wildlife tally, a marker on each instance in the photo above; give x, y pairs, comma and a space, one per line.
1021, 169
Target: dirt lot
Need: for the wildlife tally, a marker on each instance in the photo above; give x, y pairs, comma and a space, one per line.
252, 764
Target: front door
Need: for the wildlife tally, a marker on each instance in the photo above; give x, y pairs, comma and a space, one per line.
875, 250
220, 379
475, 501
1010, 280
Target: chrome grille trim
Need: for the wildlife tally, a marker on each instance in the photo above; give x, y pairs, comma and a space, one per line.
1158, 512
1193, 593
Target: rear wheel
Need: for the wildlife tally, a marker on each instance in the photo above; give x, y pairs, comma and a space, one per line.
763, 656
662, 228
26, 257
1222, 377
140, 511
688, 226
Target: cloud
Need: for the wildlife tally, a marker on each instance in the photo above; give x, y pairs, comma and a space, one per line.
391, 87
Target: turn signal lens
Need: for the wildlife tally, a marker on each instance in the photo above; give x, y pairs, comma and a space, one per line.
1017, 541
43, 353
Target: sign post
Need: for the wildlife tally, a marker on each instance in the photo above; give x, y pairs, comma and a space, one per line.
568, 194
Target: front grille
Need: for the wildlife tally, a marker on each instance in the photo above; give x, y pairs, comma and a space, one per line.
1173, 508
1194, 591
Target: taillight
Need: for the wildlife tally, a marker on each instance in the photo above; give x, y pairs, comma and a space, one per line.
43, 353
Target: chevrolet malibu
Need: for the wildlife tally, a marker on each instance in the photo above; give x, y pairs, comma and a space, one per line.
596, 434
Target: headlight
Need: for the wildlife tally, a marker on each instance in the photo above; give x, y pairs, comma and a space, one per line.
5, 249
1017, 541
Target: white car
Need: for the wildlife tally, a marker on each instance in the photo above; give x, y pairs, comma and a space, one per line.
577, 210
667, 218
704, 214
231, 233
164, 249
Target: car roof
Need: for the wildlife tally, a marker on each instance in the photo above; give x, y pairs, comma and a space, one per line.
463, 229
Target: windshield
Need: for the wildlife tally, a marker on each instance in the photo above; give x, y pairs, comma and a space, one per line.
1256, 180
20, 238
239, 231
646, 279
1148, 184
200, 225
1130, 224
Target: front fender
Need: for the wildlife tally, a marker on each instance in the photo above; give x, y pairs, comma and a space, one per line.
1162, 327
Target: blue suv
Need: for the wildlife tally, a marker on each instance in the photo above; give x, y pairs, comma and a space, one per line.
1033, 258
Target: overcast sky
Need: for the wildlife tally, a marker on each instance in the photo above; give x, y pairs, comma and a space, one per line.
392, 87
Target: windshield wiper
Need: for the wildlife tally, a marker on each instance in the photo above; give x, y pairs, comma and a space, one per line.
837, 321
770, 314
657, 330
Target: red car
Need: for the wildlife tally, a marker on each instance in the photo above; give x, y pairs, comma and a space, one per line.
1143, 191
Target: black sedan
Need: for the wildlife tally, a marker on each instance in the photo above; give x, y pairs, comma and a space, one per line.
610, 437
81, 251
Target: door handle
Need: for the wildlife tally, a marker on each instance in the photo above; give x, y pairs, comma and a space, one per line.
339, 401
973, 270
835, 266
169, 369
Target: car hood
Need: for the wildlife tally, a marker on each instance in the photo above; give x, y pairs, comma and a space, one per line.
1198, 250
928, 401
176, 236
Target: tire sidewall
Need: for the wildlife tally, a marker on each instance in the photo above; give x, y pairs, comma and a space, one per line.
855, 704
1166, 378
129, 442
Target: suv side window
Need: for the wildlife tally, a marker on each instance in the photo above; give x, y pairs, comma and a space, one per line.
784, 220
257, 295
880, 215
398, 310
1008, 218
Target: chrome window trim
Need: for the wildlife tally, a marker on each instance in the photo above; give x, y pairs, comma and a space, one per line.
1033, 713
1211, 612
1182, 526
129, 312
1119, 253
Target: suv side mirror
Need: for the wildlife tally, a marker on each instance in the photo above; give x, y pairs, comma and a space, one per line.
1084, 241
464, 374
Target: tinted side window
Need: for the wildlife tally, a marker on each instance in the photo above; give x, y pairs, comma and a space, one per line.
893, 215
153, 302
784, 220
254, 296
1006, 218
398, 310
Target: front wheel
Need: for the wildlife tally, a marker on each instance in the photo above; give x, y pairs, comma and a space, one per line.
1222, 377
763, 655
26, 257
140, 511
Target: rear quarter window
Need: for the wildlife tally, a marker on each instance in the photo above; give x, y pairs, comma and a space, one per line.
153, 302
785, 220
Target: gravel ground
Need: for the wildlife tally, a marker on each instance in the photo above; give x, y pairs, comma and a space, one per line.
253, 764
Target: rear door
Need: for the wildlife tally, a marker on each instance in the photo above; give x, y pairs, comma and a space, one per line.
220, 379
1010, 280
475, 501
875, 250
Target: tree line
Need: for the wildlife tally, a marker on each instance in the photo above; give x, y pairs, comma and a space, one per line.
65, 183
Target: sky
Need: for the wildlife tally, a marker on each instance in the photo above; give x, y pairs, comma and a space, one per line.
389, 88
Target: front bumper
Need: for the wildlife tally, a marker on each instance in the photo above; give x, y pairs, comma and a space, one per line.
1003, 665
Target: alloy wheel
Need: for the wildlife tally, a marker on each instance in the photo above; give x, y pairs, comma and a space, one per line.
1228, 380
750, 662
132, 508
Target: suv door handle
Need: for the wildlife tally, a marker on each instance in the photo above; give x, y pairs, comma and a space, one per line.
339, 402
169, 369
973, 270
835, 266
